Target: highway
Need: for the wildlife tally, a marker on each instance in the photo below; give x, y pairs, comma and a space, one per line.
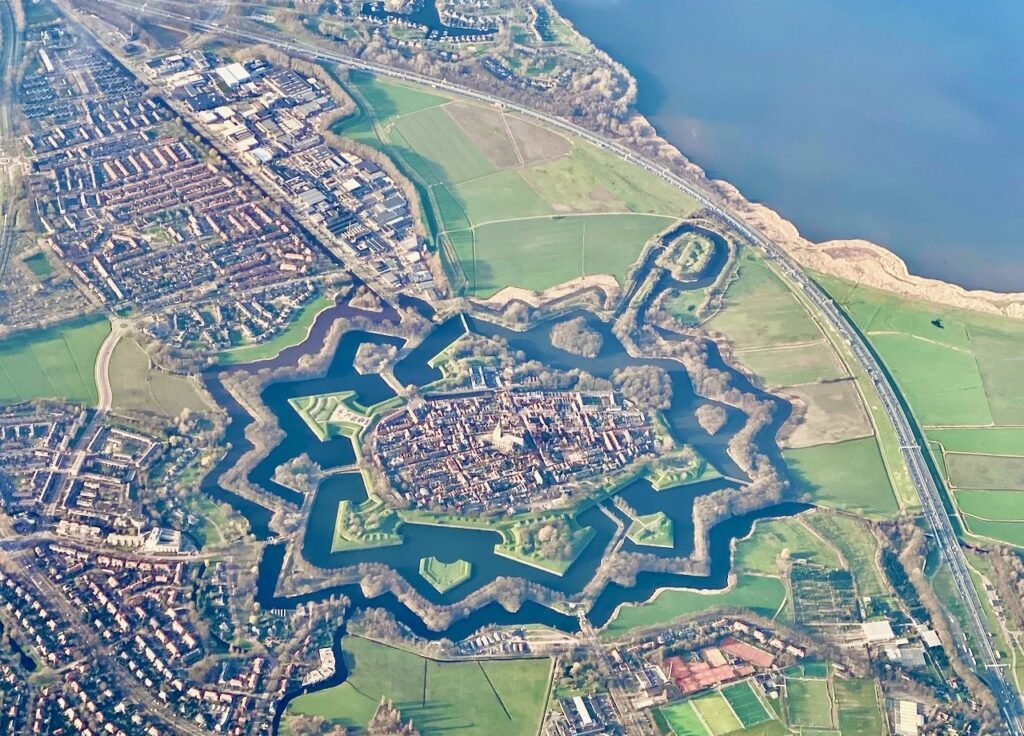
986, 660
9, 41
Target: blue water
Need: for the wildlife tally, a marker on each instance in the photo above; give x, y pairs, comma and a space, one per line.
898, 122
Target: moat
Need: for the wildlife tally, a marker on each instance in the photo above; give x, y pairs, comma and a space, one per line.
477, 546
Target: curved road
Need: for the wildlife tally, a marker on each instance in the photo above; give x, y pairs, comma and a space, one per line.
986, 660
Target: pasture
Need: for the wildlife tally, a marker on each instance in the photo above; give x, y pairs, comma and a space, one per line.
957, 367
832, 412
791, 365
759, 311
1008, 532
847, 475
493, 698
982, 472
137, 385
53, 362
984, 440
504, 192
992, 505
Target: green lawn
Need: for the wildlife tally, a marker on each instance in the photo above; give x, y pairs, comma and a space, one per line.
493, 698
747, 706
683, 719
762, 595
847, 475
445, 575
651, 530
295, 333
714, 710
808, 704
859, 712
53, 363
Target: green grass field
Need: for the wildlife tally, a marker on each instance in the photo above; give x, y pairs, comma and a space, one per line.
992, 505
808, 704
745, 703
859, 712
760, 553
318, 412
848, 475
956, 367
1008, 532
759, 311
54, 362
292, 335
982, 472
762, 595
493, 698
138, 386
445, 575
683, 719
715, 711
506, 192
794, 364
985, 441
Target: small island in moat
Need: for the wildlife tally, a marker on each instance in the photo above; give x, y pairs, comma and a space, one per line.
445, 575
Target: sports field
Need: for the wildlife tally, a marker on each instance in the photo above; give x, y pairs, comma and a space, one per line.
499, 698
511, 202
53, 363
859, 712
138, 386
846, 475
683, 719
808, 703
746, 704
716, 712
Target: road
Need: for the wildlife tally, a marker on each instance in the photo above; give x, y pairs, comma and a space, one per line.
986, 660
9, 42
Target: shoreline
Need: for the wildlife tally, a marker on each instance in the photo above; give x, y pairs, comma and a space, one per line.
858, 260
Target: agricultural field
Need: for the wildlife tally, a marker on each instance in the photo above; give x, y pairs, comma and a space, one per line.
808, 703
502, 193
847, 475
445, 575
980, 472
793, 365
832, 412
137, 385
480, 698
54, 362
985, 441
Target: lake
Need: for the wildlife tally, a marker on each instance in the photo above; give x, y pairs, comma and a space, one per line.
895, 122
